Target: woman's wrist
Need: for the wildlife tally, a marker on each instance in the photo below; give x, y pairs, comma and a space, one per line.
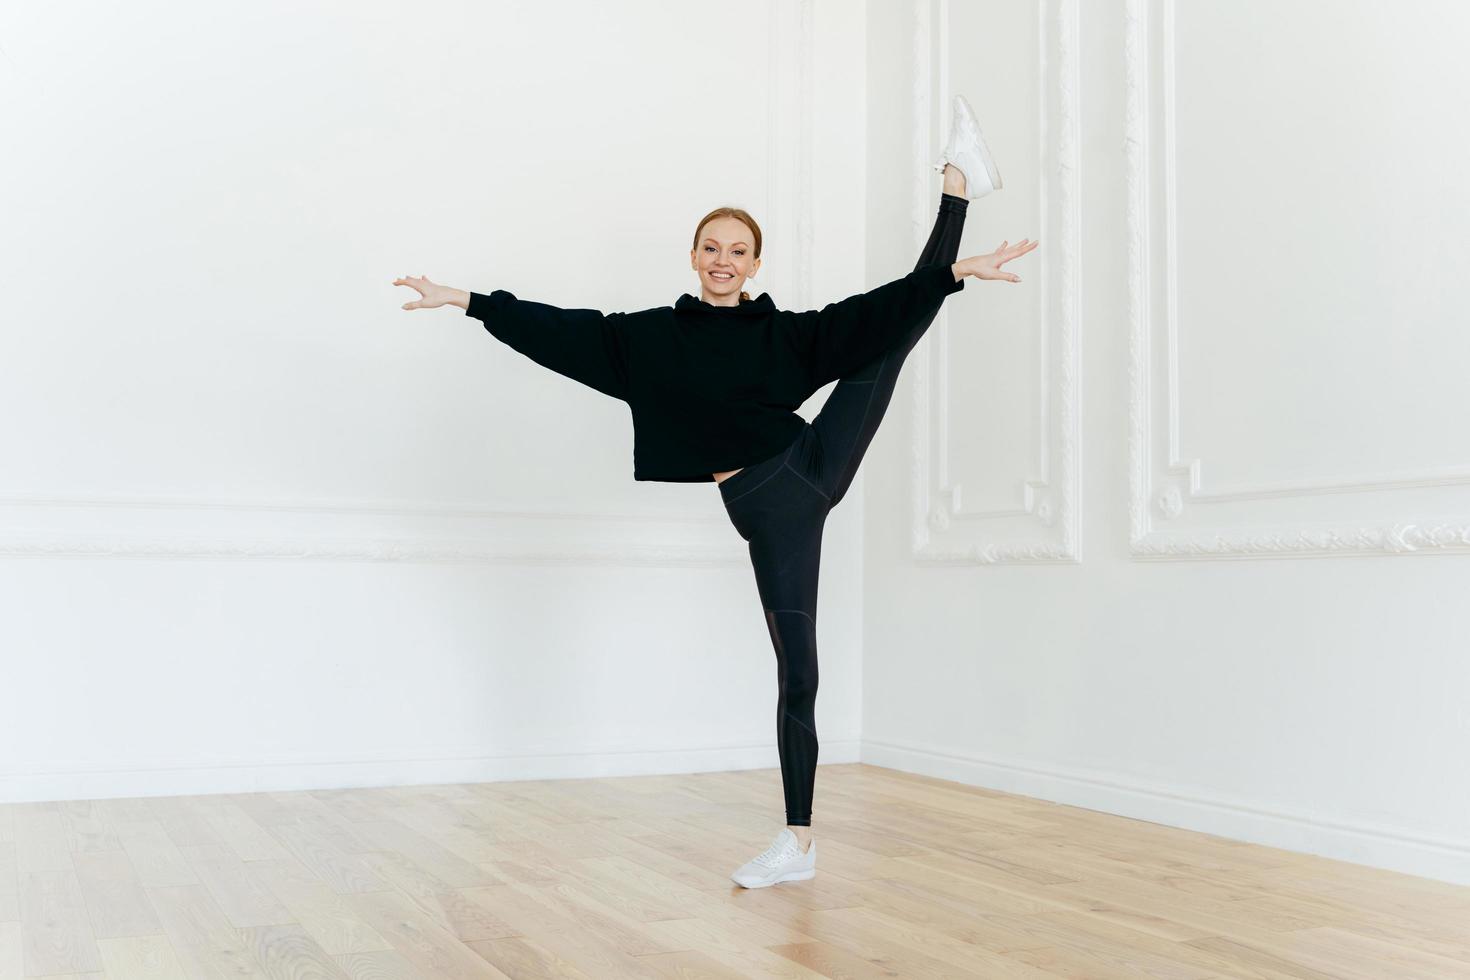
960, 270
459, 298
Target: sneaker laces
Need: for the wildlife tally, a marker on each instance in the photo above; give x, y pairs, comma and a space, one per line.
775, 854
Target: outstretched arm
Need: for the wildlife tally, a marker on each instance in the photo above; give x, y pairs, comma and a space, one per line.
584, 345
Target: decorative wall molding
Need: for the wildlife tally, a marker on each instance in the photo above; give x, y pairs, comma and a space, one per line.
101, 526
1046, 527
1239, 521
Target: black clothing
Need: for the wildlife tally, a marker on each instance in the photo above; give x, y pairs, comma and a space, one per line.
714, 388
779, 506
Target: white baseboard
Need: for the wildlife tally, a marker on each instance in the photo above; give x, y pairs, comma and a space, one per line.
1359, 842
43, 784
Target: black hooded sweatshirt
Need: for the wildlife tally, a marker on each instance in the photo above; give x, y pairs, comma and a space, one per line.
714, 388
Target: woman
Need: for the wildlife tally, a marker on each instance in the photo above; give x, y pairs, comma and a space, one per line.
713, 385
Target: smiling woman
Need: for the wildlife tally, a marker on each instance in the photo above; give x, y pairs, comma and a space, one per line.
724, 256
717, 378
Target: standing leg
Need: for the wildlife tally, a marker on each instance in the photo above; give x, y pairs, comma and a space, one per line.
851, 415
781, 516
786, 569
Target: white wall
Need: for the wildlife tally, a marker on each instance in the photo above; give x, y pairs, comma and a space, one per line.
1179, 527
259, 527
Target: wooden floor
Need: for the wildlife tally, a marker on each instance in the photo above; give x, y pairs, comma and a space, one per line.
629, 877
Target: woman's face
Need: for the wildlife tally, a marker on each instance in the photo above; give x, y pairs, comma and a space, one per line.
723, 259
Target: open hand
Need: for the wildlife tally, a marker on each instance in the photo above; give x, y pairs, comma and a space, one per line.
431, 294
988, 266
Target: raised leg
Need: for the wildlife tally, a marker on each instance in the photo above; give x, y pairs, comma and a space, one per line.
855, 407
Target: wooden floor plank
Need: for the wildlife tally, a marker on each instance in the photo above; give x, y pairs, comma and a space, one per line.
12, 959
325, 915
242, 897
116, 902
9, 883
290, 951
56, 933
433, 950
141, 958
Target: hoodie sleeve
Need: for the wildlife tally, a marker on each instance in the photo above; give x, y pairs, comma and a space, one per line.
583, 345
844, 336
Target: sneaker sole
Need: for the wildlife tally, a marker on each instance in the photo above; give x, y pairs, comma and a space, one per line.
792, 876
991, 170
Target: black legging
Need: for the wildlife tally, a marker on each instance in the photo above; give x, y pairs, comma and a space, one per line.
779, 507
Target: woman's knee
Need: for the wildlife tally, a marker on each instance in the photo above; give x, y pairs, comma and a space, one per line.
800, 690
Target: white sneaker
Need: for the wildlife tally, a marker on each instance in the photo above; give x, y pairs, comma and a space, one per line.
966, 149
782, 861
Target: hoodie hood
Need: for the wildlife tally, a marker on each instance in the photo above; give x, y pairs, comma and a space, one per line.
760, 306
